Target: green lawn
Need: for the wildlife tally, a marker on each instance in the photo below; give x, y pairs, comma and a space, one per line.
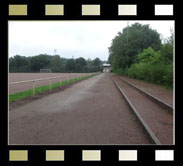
20, 95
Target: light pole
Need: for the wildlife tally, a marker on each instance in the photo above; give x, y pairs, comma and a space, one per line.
55, 50
127, 31
127, 45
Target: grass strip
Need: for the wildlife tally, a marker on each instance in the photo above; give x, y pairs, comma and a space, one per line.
21, 95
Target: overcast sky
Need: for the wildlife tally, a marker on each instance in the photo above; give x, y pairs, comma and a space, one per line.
88, 39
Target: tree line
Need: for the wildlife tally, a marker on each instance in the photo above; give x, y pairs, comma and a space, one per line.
139, 52
56, 63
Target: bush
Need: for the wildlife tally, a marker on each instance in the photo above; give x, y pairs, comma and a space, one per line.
168, 77
155, 73
139, 71
120, 71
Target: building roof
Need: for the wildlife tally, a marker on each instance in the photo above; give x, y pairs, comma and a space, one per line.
106, 65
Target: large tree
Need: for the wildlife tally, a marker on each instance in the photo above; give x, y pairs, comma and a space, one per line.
18, 63
39, 62
133, 40
56, 64
70, 65
96, 64
80, 65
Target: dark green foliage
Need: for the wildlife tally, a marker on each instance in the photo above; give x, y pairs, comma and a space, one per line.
155, 73
125, 46
95, 65
55, 63
143, 56
39, 62
18, 63
80, 65
154, 67
70, 65
167, 53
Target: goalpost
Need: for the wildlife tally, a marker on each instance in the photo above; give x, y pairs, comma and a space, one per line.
45, 71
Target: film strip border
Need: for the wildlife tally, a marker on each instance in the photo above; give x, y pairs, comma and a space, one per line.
48, 156
25, 9
96, 10
90, 10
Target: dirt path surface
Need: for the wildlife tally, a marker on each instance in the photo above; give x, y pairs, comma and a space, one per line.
158, 119
90, 112
155, 90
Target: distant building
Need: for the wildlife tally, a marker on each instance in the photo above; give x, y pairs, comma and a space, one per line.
106, 68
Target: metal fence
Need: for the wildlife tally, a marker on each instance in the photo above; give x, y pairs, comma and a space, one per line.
60, 78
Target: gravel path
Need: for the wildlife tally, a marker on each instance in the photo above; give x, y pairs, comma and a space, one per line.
158, 119
157, 91
90, 112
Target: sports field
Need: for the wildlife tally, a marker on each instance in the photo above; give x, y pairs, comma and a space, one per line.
17, 77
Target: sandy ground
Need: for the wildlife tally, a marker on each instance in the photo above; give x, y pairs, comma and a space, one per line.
90, 112
16, 77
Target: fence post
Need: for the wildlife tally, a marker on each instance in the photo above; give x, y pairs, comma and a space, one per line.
70, 80
50, 84
60, 82
66, 80
33, 88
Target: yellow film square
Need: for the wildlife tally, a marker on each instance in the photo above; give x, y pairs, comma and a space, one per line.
17, 10
54, 10
18, 155
55, 155
90, 10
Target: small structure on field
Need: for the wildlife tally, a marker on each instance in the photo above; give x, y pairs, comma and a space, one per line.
106, 68
45, 70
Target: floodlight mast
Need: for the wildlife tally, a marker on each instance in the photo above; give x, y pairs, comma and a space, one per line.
55, 50
127, 30
127, 42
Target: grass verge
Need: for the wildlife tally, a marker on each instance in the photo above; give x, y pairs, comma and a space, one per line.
21, 95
